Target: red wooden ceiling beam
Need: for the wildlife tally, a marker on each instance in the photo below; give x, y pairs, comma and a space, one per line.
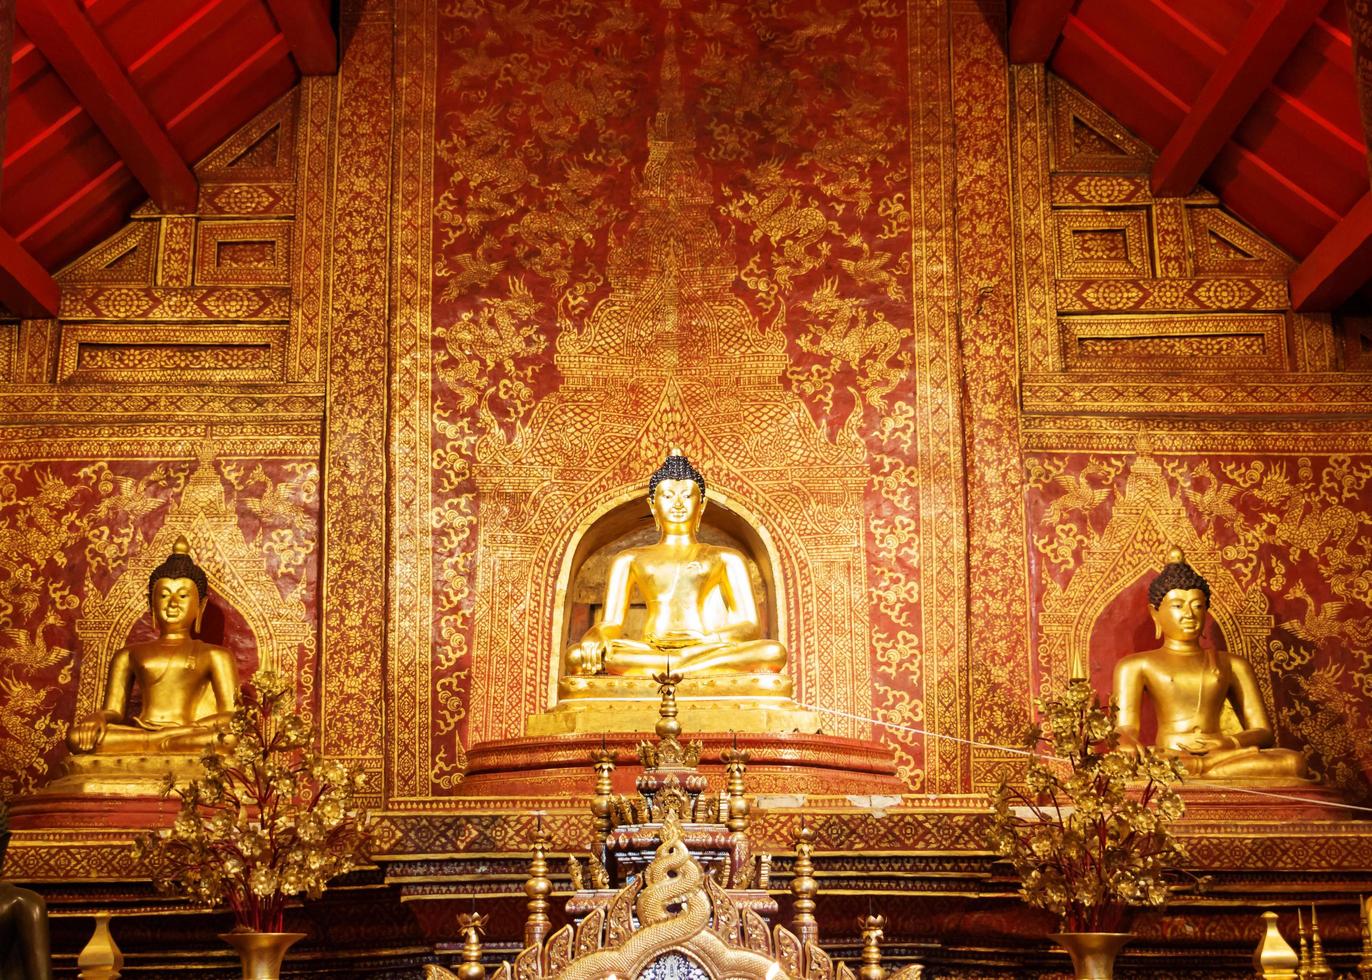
1263, 44
1339, 265
309, 33
67, 39
26, 289
1035, 27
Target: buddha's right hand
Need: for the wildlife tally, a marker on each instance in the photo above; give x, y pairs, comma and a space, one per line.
87, 733
587, 657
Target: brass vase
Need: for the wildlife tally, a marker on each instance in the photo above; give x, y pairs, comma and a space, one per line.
1093, 953
261, 952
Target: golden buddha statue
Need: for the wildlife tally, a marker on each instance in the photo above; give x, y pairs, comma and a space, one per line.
1190, 686
676, 576
701, 622
188, 687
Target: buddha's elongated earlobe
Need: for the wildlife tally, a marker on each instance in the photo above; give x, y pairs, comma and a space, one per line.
200, 614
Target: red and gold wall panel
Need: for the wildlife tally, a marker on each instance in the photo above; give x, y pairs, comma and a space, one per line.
1283, 537
85, 518
622, 227
178, 394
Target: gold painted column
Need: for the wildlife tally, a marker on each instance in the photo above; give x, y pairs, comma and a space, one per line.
354, 568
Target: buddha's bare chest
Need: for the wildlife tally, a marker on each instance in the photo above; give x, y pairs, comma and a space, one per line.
1192, 678
669, 580
158, 665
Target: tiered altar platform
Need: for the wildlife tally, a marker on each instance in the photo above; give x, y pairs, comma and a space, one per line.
920, 860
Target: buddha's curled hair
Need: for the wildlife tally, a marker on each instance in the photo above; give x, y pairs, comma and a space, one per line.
675, 467
180, 564
1176, 575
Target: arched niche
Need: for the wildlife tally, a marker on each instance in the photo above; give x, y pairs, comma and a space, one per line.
626, 522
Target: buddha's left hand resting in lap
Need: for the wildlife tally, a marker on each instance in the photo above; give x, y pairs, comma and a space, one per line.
173, 673
676, 576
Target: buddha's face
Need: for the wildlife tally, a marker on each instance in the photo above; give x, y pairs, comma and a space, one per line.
677, 505
1181, 614
175, 603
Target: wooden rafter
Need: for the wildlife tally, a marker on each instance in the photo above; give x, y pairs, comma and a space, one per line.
1035, 27
69, 42
1339, 265
26, 289
309, 33
1267, 38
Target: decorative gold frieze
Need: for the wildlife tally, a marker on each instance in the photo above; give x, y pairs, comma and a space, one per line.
171, 352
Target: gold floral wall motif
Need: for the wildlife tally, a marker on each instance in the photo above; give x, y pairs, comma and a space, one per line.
551, 355
1171, 396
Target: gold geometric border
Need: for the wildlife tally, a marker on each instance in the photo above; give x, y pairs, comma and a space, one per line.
171, 353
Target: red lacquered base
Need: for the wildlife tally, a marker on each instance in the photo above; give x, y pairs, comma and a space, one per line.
784, 763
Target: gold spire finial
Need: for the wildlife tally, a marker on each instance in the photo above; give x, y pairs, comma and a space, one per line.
1319, 966
871, 927
1175, 556
181, 546
472, 927
538, 887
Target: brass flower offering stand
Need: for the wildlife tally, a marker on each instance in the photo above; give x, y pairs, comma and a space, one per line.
261, 952
1093, 953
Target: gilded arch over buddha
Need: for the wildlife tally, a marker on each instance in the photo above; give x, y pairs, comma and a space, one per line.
698, 599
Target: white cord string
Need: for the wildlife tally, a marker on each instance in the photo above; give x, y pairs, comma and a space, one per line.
1053, 758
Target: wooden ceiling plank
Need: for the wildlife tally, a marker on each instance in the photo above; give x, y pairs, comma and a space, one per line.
1035, 27
1338, 266
310, 35
1262, 46
26, 289
68, 40
1360, 40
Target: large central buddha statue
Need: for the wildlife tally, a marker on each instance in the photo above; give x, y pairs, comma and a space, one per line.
676, 576
187, 686
701, 621
1190, 686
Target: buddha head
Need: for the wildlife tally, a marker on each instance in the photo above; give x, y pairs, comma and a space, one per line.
177, 590
1180, 598
676, 495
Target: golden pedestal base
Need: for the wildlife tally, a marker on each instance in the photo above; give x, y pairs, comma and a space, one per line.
755, 703
99, 790
1292, 800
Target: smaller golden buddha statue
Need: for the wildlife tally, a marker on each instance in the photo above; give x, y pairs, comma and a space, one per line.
1190, 686
188, 687
676, 576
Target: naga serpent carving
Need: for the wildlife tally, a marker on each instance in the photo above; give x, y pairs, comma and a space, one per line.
674, 911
